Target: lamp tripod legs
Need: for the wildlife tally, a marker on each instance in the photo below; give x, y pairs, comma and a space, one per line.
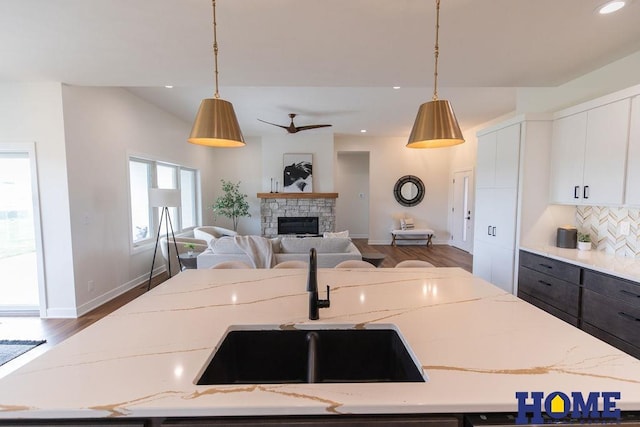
168, 226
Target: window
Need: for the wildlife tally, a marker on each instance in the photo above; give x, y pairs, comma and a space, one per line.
145, 174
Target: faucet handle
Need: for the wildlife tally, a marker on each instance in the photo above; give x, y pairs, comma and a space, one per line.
324, 303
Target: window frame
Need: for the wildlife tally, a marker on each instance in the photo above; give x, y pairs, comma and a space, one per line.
154, 217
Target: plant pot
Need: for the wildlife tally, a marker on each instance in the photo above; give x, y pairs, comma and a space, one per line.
584, 246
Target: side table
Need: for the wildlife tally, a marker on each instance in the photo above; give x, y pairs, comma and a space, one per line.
189, 261
374, 258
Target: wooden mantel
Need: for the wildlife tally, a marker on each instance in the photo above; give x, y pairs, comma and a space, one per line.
297, 195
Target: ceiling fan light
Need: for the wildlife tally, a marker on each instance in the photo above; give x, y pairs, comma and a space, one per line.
435, 126
216, 125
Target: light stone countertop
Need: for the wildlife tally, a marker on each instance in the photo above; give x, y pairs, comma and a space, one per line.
477, 344
623, 267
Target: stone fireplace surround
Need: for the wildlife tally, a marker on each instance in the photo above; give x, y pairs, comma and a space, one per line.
274, 205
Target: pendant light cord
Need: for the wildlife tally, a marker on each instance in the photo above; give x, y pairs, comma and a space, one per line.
436, 53
215, 48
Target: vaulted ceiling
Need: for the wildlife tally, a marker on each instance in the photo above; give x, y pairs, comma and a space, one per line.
330, 61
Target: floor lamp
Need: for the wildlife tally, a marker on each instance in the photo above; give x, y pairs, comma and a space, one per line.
164, 198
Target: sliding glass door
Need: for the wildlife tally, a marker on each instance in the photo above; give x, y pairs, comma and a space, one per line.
19, 259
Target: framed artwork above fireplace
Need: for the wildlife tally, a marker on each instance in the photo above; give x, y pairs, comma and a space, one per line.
297, 173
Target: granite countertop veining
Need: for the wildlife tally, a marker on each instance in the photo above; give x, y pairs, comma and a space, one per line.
477, 344
623, 267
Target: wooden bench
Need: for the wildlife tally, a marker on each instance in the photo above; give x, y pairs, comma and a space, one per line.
413, 234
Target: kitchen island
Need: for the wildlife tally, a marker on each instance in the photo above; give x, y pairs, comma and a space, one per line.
477, 345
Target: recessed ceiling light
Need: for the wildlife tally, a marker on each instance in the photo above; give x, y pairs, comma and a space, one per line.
611, 7
363, 131
169, 86
396, 87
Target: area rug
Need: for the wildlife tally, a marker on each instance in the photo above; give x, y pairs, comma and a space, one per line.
10, 349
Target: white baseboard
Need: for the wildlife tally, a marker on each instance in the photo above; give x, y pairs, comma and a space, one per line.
61, 313
400, 242
104, 298
379, 242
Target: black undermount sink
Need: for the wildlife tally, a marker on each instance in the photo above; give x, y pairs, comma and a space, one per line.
311, 355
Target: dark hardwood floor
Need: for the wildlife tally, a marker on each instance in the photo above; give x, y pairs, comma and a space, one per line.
57, 330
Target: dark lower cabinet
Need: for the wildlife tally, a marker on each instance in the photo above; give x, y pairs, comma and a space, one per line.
604, 306
550, 285
611, 310
337, 421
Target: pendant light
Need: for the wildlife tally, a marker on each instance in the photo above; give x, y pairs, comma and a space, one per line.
436, 124
216, 124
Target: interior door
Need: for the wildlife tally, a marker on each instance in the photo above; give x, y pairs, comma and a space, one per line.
462, 217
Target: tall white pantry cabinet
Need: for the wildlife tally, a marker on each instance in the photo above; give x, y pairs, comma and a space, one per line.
512, 156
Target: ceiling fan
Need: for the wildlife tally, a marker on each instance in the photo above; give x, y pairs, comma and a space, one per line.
293, 128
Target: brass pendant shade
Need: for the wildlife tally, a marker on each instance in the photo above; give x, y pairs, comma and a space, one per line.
435, 126
216, 125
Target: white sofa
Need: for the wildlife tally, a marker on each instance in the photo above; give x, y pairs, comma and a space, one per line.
330, 250
210, 232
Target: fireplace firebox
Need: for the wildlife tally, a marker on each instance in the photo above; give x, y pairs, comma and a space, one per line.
307, 225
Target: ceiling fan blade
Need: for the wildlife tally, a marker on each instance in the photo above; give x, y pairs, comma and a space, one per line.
299, 128
274, 124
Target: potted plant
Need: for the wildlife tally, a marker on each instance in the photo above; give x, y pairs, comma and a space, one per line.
232, 203
189, 247
584, 241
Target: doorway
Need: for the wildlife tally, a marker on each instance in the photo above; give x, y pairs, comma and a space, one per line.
352, 207
461, 212
21, 274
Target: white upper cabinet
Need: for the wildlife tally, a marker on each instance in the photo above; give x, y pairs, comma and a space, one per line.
589, 153
486, 160
633, 163
606, 154
567, 158
507, 157
498, 158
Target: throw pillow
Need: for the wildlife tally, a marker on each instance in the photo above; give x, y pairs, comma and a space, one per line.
328, 234
407, 224
275, 244
294, 245
226, 245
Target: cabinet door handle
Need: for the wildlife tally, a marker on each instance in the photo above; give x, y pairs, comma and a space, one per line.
631, 294
546, 266
489, 231
494, 232
576, 192
628, 316
544, 283
585, 192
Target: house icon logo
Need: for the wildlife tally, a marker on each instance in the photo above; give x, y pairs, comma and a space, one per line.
557, 405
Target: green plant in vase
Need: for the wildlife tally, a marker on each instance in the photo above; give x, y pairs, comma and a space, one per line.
584, 241
190, 247
232, 204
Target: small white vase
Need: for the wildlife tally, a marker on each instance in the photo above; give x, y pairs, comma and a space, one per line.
584, 246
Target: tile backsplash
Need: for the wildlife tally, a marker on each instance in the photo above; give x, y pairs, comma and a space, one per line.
604, 225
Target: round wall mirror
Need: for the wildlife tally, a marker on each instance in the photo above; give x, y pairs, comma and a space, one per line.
409, 190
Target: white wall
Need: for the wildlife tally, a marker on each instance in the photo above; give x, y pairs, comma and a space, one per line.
390, 160
612, 77
103, 126
242, 165
318, 143
352, 205
33, 113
